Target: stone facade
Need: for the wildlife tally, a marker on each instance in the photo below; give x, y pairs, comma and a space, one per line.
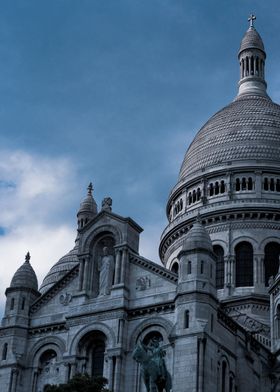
207, 318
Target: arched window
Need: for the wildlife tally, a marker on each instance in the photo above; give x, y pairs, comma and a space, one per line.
250, 184
244, 264
189, 267
222, 186
272, 184
271, 260
49, 370
265, 184
224, 372
4, 351
278, 185
198, 194
92, 347
190, 198
220, 266
237, 185
257, 66
211, 189
175, 267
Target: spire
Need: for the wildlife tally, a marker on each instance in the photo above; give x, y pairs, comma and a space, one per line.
90, 189
27, 257
252, 62
88, 208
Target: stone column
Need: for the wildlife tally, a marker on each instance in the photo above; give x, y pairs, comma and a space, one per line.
201, 346
81, 274
258, 183
123, 265
86, 273
34, 381
117, 377
13, 385
259, 274
118, 266
232, 270
111, 374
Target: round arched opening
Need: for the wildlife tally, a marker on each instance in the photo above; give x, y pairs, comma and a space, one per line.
244, 264
91, 351
271, 260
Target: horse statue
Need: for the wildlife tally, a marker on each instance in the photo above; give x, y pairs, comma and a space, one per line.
153, 370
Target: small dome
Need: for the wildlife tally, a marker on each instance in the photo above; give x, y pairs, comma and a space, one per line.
251, 40
60, 269
197, 238
25, 276
88, 205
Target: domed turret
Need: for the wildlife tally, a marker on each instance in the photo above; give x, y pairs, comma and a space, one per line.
88, 209
25, 276
252, 61
197, 238
23, 291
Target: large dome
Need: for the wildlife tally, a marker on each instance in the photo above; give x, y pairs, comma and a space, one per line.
246, 129
60, 269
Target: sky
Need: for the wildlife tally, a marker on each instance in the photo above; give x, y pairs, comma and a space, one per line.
113, 92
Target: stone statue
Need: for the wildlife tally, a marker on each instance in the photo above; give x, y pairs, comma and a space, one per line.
106, 272
107, 204
153, 370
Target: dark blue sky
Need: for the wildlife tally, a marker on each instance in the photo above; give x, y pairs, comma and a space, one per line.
110, 92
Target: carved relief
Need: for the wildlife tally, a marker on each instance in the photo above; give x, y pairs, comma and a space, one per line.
143, 283
65, 298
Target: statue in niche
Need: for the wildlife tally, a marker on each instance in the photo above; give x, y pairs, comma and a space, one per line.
150, 355
106, 272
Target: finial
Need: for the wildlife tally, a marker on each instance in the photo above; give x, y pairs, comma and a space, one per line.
90, 189
27, 257
251, 19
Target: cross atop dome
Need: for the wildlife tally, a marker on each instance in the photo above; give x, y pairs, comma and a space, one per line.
90, 188
27, 257
251, 19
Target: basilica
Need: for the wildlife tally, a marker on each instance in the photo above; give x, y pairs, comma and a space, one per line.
207, 319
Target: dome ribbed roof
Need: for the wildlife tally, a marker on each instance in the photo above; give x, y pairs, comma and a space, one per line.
25, 276
251, 40
64, 265
246, 129
197, 238
88, 205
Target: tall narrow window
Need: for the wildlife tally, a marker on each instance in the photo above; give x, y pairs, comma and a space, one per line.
202, 267
198, 194
216, 188
278, 185
4, 351
187, 319
220, 266
243, 184
175, 267
189, 267
237, 185
244, 264
190, 198
194, 196
12, 304
23, 303
211, 190
272, 184
265, 184
222, 186
250, 184
271, 260
224, 370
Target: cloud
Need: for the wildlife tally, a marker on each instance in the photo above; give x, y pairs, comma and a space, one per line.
34, 195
